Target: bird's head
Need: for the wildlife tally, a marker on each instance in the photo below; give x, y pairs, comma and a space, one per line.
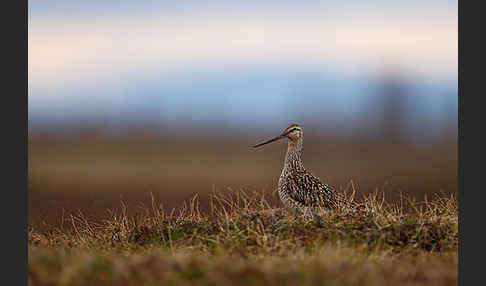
293, 132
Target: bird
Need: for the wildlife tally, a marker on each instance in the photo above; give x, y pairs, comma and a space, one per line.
298, 189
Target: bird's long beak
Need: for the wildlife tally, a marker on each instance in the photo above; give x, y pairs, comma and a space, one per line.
271, 140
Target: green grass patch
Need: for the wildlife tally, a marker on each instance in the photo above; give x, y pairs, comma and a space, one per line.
245, 241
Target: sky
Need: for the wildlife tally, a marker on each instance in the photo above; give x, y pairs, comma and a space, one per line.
244, 63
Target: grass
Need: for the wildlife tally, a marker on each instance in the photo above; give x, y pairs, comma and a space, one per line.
243, 240
93, 171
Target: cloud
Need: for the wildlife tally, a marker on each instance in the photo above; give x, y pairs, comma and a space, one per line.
72, 51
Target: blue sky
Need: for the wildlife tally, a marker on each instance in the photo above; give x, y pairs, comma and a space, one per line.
245, 63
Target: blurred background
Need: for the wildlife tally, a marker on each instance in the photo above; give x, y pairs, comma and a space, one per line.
129, 98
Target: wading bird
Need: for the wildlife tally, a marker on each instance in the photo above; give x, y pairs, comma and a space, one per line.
298, 189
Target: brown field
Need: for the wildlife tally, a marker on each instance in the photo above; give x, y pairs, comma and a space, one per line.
94, 171
141, 209
243, 240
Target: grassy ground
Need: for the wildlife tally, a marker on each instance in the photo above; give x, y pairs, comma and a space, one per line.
243, 240
94, 172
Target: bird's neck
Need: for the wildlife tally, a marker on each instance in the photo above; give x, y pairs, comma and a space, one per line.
293, 157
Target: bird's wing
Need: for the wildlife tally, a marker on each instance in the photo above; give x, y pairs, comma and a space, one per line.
310, 191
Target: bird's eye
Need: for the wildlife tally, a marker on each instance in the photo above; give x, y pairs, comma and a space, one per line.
292, 130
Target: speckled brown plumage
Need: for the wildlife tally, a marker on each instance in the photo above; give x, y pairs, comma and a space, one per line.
298, 189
